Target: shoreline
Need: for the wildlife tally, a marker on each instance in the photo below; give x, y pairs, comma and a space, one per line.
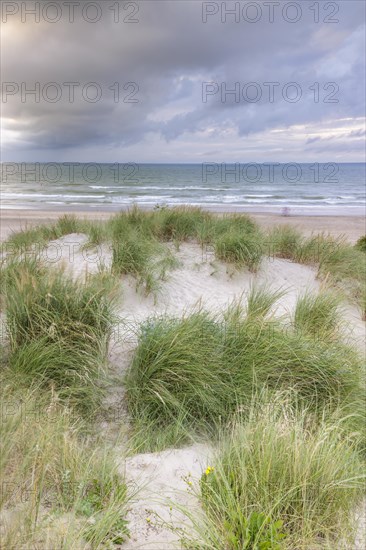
351, 226
295, 210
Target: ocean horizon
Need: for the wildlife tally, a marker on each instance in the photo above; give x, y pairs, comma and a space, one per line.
308, 188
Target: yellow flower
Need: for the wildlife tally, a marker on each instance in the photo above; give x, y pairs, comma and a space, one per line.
209, 470
148, 520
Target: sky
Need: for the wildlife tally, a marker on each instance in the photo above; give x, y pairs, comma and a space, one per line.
183, 81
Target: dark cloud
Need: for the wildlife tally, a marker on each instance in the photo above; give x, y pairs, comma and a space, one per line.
167, 56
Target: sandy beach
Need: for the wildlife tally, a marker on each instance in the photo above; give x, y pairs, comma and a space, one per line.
199, 280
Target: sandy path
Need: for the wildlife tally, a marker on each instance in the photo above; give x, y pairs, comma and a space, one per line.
163, 481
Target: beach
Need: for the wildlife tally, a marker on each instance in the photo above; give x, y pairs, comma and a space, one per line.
183, 275
184, 279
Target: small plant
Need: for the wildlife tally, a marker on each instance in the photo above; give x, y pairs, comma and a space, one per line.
257, 532
239, 250
144, 258
131, 254
108, 528
261, 300
313, 250
178, 224
361, 244
284, 241
318, 315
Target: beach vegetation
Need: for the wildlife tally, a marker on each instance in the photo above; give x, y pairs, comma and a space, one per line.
190, 374
58, 329
318, 315
59, 488
361, 243
284, 241
280, 480
281, 400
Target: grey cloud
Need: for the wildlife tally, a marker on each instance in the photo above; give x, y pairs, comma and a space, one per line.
168, 54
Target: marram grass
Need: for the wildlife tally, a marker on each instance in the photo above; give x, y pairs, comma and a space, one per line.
288, 470
59, 329
235, 238
280, 479
193, 373
318, 316
59, 489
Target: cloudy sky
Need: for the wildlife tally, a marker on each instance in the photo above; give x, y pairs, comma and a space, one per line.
150, 81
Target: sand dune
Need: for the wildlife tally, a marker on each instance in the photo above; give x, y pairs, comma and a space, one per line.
199, 281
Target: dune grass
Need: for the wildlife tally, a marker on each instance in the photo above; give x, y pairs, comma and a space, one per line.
261, 301
344, 262
361, 244
179, 224
40, 234
192, 374
45, 302
318, 316
237, 240
313, 250
288, 470
280, 480
58, 488
59, 329
176, 362
76, 373
141, 256
137, 236
338, 262
239, 249
345, 267
284, 241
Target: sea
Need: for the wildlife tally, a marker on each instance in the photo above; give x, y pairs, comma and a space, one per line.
317, 188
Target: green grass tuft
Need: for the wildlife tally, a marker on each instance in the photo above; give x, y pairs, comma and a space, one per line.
59, 329
261, 300
280, 480
239, 249
318, 316
50, 471
284, 241
197, 371
361, 244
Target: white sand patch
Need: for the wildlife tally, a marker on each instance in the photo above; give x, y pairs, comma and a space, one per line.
201, 279
361, 532
162, 480
71, 253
